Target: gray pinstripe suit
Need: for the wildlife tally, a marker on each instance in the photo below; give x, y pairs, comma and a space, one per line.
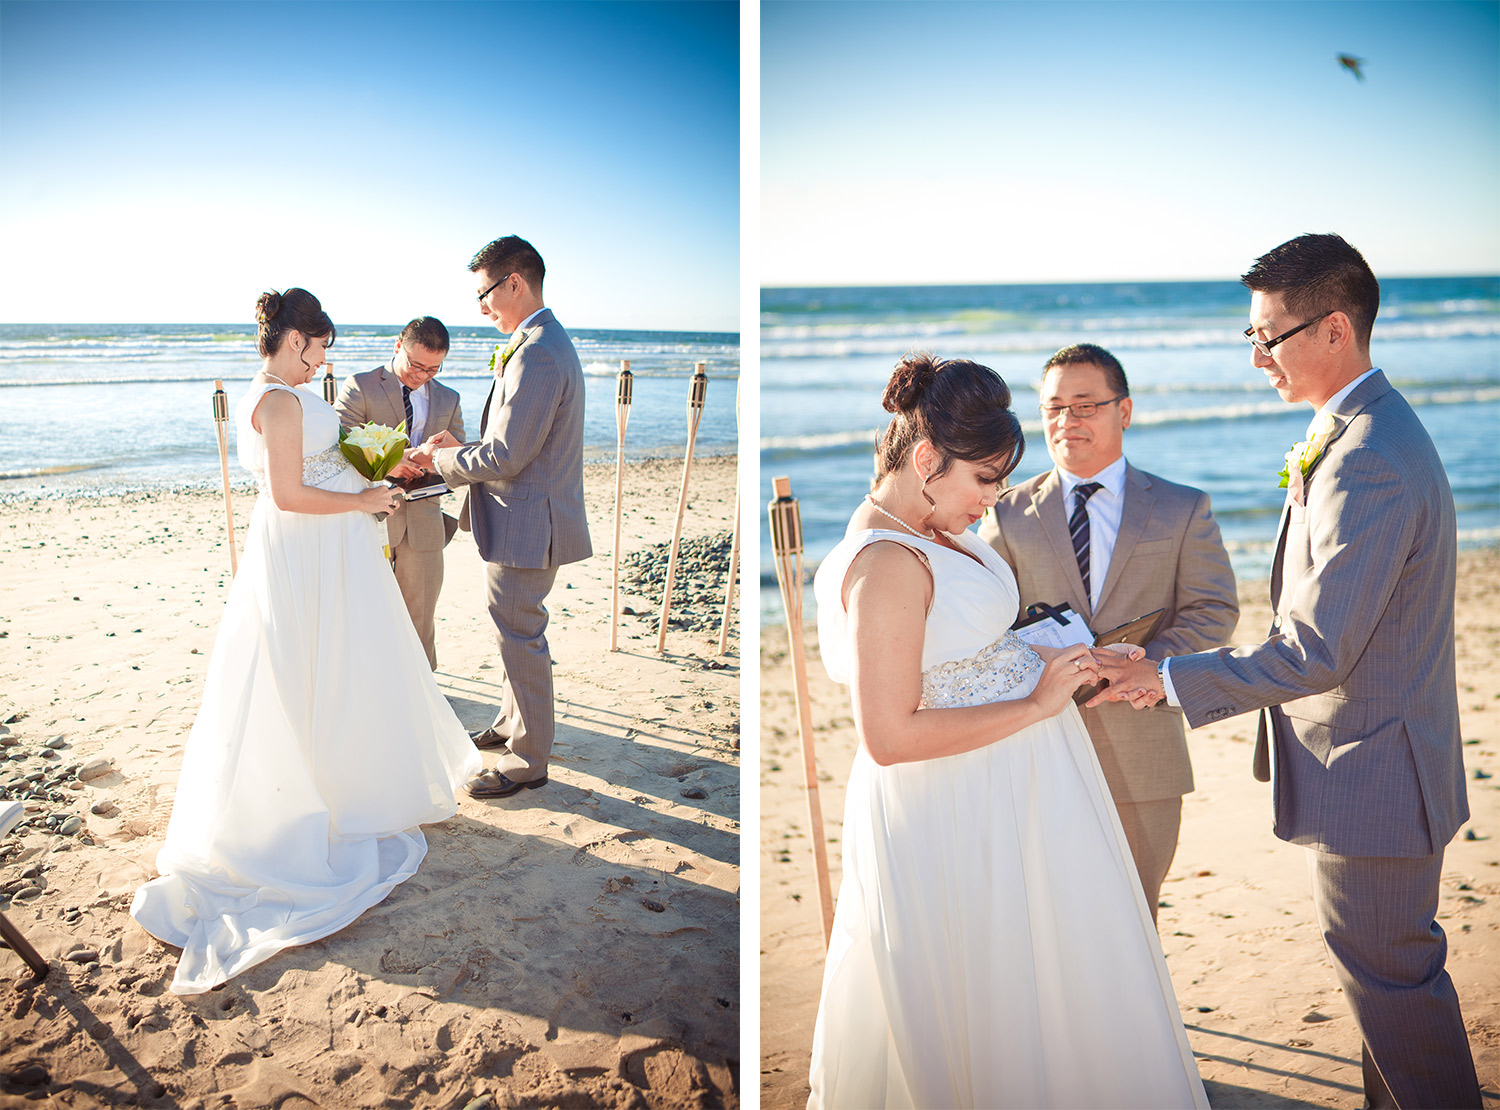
1363, 742
525, 509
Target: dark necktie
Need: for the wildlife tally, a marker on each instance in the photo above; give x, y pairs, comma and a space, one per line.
1078, 527
406, 404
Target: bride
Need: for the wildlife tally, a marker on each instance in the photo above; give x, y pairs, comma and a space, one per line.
322, 741
991, 946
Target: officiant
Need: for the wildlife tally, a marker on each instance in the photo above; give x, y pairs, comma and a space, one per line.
1115, 542
406, 389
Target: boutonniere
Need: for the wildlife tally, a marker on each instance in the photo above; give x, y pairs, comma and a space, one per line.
1302, 456
503, 351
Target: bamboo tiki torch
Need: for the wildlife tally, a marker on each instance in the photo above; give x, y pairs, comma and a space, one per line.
695, 414
786, 538
330, 387
221, 426
622, 418
734, 543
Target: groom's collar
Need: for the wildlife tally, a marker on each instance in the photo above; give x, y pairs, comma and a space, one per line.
1333, 403
530, 318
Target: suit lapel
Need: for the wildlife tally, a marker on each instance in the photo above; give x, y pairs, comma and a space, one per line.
390, 392
1134, 515
1051, 508
1350, 407
497, 383
1280, 556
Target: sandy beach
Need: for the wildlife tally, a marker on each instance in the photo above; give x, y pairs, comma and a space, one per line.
1264, 1013
571, 946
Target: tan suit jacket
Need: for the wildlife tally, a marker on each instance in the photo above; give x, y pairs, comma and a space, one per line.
1168, 556
375, 397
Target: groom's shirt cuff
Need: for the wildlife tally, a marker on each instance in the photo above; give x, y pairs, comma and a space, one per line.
1166, 683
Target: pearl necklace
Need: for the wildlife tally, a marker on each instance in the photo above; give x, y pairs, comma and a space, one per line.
879, 508
288, 384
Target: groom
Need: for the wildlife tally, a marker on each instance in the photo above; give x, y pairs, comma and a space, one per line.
1359, 736
525, 504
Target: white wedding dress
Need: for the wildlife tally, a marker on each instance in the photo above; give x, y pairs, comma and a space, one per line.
322, 741
991, 947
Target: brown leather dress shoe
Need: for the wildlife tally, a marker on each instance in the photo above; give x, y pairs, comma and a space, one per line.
488, 738
493, 784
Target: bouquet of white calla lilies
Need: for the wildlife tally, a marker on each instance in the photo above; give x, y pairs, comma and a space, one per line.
373, 448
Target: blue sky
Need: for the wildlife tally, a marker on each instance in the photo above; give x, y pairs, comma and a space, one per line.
165, 162
940, 142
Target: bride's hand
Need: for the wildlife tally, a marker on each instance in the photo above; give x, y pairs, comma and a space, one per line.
376, 499
1066, 671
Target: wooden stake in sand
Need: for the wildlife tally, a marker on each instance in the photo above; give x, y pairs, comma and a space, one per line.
695, 414
786, 539
734, 543
622, 418
221, 426
330, 387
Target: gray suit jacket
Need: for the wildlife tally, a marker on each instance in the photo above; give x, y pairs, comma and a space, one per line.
375, 396
1366, 757
525, 506
1168, 556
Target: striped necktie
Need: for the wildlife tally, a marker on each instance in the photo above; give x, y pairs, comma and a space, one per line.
406, 404
1078, 528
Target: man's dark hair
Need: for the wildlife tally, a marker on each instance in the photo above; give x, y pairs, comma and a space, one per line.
426, 332
1317, 274
1091, 354
511, 255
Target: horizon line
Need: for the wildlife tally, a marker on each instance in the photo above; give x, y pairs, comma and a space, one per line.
1080, 281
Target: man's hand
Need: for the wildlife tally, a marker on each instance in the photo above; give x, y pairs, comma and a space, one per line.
405, 469
422, 456
1132, 680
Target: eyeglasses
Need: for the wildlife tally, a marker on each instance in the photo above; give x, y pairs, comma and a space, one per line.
1264, 346
412, 364
1081, 409
497, 285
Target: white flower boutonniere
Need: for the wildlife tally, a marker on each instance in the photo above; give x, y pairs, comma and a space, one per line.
503, 351
1302, 456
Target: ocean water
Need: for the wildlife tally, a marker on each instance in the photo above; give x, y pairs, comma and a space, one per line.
1203, 415
117, 407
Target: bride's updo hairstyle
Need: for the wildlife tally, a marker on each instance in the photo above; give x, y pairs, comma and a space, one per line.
960, 407
295, 310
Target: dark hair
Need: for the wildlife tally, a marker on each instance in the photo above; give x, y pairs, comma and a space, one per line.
1317, 274
959, 406
511, 254
1091, 354
295, 310
426, 332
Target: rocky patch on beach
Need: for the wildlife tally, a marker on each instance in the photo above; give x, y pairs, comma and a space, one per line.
40, 773
698, 582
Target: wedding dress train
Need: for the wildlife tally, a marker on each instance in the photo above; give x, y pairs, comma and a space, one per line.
991, 947
321, 744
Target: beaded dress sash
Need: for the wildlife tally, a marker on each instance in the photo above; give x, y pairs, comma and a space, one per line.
989, 675
316, 469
